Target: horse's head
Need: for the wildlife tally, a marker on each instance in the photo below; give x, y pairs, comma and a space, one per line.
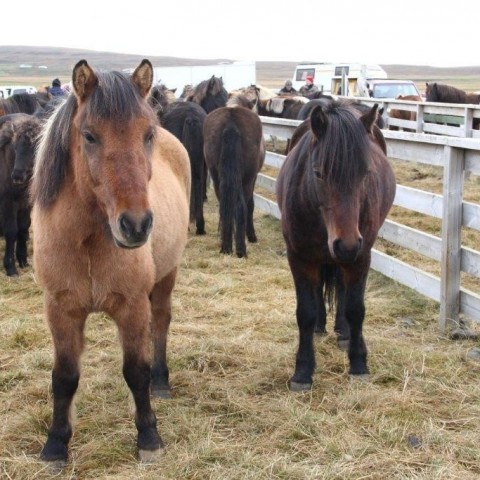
340, 161
114, 131
21, 132
210, 94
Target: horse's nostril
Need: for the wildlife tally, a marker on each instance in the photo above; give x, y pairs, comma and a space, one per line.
147, 223
126, 225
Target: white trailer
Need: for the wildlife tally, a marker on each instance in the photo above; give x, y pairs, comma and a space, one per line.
331, 77
235, 75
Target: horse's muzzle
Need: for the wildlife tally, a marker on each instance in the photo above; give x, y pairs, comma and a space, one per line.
346, 253
134, 229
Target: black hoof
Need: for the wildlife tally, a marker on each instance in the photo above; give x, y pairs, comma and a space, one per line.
343, 344
299, 387
200, 231
161, 392
54, 451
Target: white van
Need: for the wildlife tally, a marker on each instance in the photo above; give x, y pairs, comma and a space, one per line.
8, 91
328, 77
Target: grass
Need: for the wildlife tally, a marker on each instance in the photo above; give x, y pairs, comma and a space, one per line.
231, 351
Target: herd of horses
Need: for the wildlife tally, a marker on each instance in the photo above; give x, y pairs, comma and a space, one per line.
117, 171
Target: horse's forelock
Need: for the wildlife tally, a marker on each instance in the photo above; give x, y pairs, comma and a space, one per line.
115, 97
342, 153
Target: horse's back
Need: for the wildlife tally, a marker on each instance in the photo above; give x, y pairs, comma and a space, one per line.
169, 199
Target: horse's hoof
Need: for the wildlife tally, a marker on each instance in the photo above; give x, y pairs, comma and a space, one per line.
360, 377
299, 387
165, 392
343, 344
200, 232
151, 456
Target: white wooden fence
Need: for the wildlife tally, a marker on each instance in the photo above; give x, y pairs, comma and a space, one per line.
457, 156
455, 120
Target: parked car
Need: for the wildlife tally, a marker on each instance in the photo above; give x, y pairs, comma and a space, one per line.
382, 88
8, 91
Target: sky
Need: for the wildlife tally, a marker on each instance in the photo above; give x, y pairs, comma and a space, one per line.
411, 32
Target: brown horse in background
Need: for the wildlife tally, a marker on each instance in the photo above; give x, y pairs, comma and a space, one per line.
404, 114
334, 191
234, 152
439, 92
110, 221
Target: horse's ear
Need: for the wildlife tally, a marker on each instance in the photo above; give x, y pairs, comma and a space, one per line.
84, 80
368, 119
6, 133
143, 77
318, 121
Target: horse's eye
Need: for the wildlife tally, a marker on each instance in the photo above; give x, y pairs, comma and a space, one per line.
318, 174
89, 138
149, 137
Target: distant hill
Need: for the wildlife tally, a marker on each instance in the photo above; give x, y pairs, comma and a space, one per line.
20, 64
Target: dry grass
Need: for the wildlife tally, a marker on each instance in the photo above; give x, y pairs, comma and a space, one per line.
231, 350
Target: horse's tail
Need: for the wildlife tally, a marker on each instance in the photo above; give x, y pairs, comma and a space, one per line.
330, 273
192, 139
232, 203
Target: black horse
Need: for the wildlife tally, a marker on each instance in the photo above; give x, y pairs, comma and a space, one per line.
334, 190
209, 94
18, 136
185, 120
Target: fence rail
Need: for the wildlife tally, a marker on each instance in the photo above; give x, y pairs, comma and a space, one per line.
458, 156
455, 120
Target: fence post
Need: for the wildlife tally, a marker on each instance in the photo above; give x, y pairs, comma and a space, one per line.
453, 174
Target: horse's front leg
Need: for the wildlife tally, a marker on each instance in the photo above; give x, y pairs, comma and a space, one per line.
355, 282
23, 219
160, 299
66, 325
10, 232
305, 278
133, 320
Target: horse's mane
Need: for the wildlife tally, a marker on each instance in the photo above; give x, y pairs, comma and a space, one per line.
439, 92
212, 86
241, 100
115, 98
19, 103
341, 155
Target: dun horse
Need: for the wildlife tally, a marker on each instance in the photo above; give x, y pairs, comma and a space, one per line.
334, 190
234, 153
111, 192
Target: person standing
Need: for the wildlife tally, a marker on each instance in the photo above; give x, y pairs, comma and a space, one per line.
56, 89
309, 89
288, 89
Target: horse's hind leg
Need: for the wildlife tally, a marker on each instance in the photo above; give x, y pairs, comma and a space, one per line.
67, 334
251, 235
133, 324
160, 299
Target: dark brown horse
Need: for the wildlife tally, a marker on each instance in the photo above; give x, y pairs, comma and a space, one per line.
19, 133
111, 191
334, 191
234, 153
439, 92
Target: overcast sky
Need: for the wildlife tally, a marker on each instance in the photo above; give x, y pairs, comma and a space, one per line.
414, 32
